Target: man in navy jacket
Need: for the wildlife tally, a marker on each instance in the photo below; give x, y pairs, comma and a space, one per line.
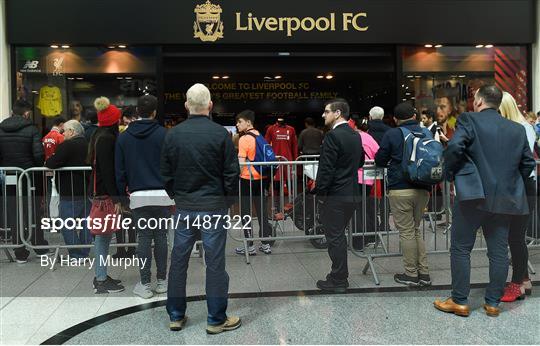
407, 200
500, 151
137, 160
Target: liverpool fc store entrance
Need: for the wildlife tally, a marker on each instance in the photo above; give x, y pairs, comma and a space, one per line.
285, 82
278, 58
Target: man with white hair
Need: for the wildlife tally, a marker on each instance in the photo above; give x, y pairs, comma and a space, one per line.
71, 185
200, 170
377, 128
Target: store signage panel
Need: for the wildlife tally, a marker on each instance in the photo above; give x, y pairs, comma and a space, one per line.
277, 21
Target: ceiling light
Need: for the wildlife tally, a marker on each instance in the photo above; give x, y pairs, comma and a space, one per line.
418, 76
410, 76
412, 98
462, 76
71, 78
284, 53
479, 46
111, 47
121, 46
404, 100
277, 77
54, 46
489, 46
329, 76
428, 45
438, 46
320, 77
65, 46
225, 77
129, 77
79, 78
215, 77
267, 77
119, 77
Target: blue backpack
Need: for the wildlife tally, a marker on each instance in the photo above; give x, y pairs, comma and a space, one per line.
263, 153
422, 157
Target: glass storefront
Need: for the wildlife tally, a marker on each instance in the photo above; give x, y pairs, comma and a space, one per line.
59, 81
446, 78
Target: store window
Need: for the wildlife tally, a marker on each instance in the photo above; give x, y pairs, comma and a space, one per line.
64, 81
445, 79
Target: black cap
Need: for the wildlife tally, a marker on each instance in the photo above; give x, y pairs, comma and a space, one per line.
404, 111
146, 105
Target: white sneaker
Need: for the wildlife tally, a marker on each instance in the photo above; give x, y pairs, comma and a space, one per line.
161, 286
266, 248
242, 251
143, 290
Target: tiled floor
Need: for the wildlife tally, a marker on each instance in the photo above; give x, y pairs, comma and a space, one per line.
37, 303
330, 319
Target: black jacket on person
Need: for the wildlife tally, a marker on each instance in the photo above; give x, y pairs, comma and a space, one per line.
20, 143
104, 167
310, 140
500, 150
377, 129
137, 156
89, 130
342, 155
199, 165
71, 153
390, 155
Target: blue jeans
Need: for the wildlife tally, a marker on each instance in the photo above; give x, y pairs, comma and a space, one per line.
466, 222
217, 279
145, 236
77, 209
101, 251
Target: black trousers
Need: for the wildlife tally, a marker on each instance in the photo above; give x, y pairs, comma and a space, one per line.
252, 192
516, 237
335, 216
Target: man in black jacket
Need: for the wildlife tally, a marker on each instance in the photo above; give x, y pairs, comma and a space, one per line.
337, 188
72, 185
200, 170
137, 157
500, 151
376, 127
407, 200
20, 146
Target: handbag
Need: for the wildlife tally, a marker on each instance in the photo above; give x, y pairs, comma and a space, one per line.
103, 218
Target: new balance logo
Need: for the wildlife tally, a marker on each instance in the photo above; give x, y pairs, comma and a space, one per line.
31, 64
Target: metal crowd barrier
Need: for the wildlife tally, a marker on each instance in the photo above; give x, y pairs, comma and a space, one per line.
9, 218
290, 211
371, 233
34, 195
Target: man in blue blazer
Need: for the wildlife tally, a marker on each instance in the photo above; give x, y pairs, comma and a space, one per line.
499, 151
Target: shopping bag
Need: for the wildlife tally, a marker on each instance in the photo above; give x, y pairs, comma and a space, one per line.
55, 200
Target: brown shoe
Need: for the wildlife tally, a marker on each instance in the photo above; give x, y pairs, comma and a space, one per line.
231, 323
492, 310
177, 325
449, 306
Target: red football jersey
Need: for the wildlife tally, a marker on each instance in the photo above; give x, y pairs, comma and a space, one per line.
51, 141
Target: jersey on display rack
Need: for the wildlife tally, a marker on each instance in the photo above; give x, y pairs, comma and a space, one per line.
50, 101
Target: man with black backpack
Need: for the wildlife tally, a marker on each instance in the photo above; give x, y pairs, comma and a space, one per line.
252, 147
409, 188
